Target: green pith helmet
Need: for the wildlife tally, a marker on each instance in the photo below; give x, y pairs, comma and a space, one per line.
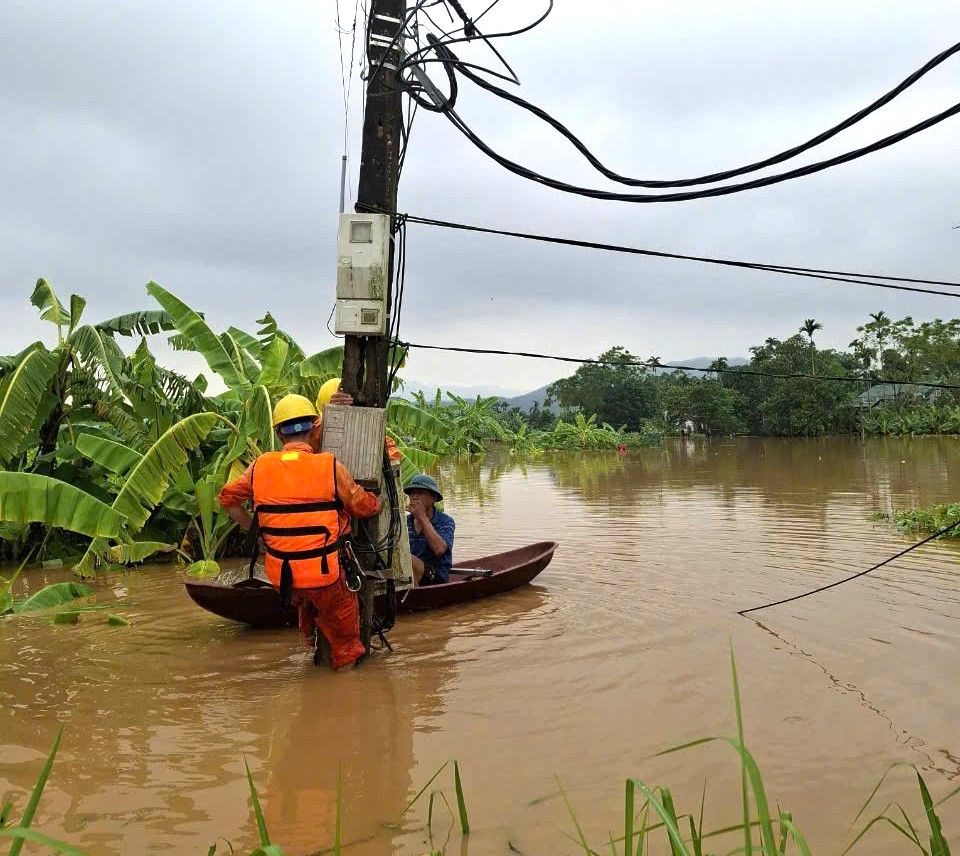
424, 482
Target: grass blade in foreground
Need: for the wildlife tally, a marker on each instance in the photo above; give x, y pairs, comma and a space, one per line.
461, 803
257, 810
336, 828
22, 834
747, 833
31, 808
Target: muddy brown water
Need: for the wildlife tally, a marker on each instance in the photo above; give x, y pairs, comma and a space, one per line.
618, 651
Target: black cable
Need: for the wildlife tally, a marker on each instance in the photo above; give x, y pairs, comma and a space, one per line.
413, 88
400, 278
936, 534
736, 370
469, 28
780, 157
726, 190
789, 270
487, 37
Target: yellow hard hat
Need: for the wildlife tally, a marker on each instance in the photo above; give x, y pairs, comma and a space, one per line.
292, 407
327, 391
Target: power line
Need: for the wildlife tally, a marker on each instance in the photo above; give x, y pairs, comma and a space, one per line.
736, 370
449, 59
936, 534
687, 196
788, 270
780, 157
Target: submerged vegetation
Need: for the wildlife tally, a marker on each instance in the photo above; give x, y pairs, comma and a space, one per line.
924, 521
650, 815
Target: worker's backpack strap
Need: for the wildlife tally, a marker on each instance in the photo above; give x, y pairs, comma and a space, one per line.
253, 536
286, 584
288, 556
336, 490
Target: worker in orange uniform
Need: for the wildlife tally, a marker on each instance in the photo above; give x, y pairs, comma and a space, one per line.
302, 504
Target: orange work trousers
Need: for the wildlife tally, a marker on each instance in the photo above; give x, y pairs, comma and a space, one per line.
335, 612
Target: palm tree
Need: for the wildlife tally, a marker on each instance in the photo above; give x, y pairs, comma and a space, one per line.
882, 323
719, 365
810, 326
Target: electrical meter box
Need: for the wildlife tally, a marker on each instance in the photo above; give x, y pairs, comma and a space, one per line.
355, 436
363, 263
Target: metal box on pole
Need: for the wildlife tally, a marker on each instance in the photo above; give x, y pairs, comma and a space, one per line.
363, 265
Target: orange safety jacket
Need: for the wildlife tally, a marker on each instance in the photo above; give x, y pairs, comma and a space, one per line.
297, 511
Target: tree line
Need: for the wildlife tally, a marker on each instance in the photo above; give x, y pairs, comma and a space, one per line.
628, 391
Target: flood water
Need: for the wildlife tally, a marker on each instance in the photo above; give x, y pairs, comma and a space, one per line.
620, 649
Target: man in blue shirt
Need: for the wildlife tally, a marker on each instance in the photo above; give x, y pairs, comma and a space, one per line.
430, 531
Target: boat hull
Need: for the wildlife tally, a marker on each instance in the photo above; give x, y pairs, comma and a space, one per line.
256, 603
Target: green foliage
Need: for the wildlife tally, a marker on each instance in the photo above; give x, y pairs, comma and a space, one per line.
623, 393
52, 596
909, 417
21, 394
795, 406
200, 337
711, 407
924, 521
32, 498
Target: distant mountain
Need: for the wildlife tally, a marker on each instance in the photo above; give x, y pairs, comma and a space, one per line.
483, 390
526, 400
701, 363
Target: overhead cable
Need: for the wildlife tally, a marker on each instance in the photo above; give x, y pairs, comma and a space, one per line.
686, 196
657, 365
853, 278
780, 157
937, 534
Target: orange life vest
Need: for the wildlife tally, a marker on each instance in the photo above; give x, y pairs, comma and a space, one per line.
297, 511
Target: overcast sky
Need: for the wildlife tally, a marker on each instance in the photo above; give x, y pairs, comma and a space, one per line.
199, 145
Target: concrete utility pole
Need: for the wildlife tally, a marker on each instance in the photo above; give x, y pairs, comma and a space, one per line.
365, 357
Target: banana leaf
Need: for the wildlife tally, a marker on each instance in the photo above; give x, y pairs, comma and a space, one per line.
269, 331
251, 371
416, 424
117, 415
32, 498
112, 456
22, 393
77, 305
137, 551
246, 341
46, 300
146, 323
323, 365
178, 500
196, 331
100, 350
274, 362
52, 596
150, 478
257, 423
203, 569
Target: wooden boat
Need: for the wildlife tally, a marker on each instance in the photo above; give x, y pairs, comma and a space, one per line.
257, 603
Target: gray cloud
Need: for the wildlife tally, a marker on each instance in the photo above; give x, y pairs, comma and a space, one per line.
199, 146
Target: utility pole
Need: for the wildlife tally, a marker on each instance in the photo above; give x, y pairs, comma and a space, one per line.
365, 358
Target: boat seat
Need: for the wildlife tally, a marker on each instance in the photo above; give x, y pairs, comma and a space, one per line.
472, 572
